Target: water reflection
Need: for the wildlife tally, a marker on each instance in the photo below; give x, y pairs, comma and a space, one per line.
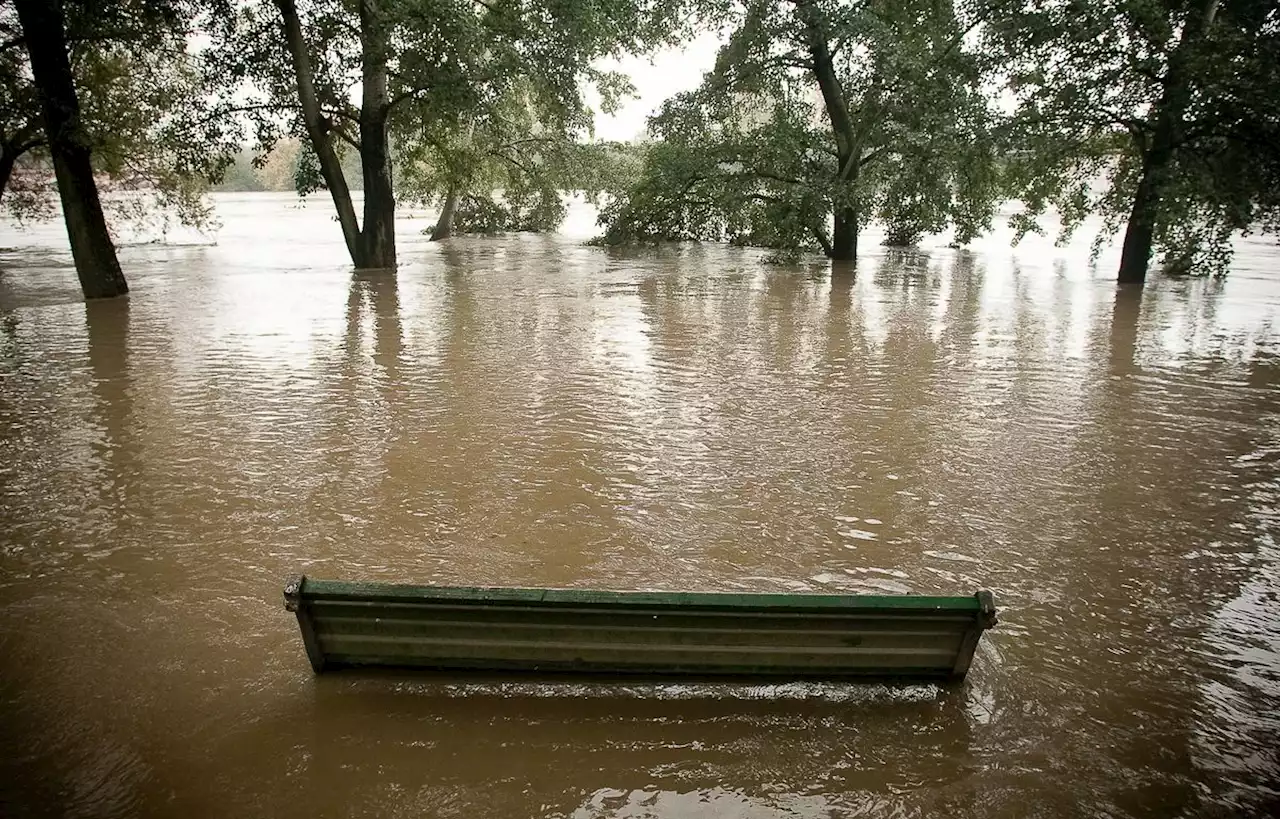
525, 410
111, 465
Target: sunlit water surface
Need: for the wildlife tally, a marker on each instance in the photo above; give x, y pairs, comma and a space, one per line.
531, 411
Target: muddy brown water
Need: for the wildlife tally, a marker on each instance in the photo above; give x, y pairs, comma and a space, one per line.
530, 411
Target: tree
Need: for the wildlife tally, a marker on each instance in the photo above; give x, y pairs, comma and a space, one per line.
819, 114
44, 35
141, 112
1173, 104
20, 129
506, 167
426, 69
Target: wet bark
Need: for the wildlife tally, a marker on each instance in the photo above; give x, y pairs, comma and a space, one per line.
97, 267
14, 146
1139, 233
318, 132
379, 232
1159, 151
7, 158
844, 236
444, 225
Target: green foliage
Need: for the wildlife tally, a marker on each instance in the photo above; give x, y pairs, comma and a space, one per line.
1092, 82
144, 106
816, 108
306, 170
508, 168
484, 97
534, 212
507, 135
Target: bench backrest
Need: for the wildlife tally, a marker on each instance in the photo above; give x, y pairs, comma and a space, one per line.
571, 630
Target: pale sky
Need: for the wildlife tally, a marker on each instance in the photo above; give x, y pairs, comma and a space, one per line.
669, 72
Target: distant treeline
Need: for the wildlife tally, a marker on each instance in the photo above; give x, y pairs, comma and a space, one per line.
278, 169
1159, 120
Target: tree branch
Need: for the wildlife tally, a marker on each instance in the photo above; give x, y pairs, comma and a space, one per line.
342, 134
1136, 127
823, 239
874, 155
274, 106
407, 95
753, 173
762, 197
499, 155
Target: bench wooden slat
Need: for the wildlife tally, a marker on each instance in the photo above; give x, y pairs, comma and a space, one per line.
785, 621
604, 633
363, 624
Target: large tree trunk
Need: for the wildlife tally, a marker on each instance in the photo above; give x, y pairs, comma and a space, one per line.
318, 132
379, 198
1158, 155
444, 225
1139, 233
91, 247
844, 236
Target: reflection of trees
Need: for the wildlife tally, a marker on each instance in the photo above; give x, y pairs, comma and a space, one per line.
112, 412
902, 267
1239, 693
1134, 538
508, 453
373, 326
680, 490
874, 390
357, 417
1126, 315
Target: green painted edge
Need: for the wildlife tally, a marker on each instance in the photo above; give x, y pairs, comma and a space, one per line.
315, 590
683, 673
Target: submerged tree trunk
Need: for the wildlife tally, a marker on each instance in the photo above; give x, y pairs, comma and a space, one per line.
379, 198
318, 132
91, 247
1158, 155
844, 235
444, 225
1139, 233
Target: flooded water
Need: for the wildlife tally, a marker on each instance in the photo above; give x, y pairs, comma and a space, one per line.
530, 411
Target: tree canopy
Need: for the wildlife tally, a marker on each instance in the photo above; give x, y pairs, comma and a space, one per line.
144, 110
451, 86
1161, 116
817, 116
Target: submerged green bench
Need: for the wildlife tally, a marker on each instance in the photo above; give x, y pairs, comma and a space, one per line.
568, 630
